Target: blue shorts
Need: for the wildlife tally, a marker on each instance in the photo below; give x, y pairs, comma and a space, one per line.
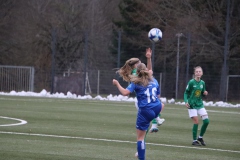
146, 115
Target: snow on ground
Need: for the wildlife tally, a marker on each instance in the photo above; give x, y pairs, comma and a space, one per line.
110, 97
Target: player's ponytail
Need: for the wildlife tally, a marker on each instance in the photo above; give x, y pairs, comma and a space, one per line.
143, 75
126, 70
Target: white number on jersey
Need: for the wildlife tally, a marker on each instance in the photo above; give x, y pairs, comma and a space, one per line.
153, 95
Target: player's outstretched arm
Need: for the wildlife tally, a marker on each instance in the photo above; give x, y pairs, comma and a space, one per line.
149, 58
122, 90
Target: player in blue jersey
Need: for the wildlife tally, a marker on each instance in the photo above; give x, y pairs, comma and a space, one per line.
149, 106
128, 69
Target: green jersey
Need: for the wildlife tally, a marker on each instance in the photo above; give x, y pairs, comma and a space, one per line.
134, 71
194, 93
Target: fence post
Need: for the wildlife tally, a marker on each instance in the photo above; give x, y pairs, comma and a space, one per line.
85, 60
98, 83
53, 58
160, 83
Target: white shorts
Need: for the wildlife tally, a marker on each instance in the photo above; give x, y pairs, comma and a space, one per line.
194, 112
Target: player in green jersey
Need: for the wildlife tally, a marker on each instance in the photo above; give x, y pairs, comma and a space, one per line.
193, 94
130, 68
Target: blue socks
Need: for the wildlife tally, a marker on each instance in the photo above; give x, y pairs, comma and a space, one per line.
141, 150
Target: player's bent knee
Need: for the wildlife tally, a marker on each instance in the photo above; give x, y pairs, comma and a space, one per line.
204, 117
162, 106
206, 121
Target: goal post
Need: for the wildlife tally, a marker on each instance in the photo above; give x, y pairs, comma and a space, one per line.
87, 86
17, 78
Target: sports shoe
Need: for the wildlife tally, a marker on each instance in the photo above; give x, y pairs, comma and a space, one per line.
196, 143
201, 141
160, 121
153, 130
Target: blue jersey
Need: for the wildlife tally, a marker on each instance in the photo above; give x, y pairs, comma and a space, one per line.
146, 96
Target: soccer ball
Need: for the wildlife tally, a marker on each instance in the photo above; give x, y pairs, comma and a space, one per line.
155, 34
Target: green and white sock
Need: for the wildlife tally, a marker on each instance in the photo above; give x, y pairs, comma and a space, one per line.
194, 131
204, 127
154, 121
154, 125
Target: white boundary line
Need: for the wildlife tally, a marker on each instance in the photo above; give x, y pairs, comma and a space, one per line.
118, 141
22, 122
223, 112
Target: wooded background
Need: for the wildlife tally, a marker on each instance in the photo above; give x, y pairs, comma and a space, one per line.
79, 36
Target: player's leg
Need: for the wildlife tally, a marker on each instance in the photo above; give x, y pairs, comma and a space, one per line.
142, 126
155, 123
194, 133
204, 116
193, 115
141, 144
136, 105
154, 127
144, 117
159, 119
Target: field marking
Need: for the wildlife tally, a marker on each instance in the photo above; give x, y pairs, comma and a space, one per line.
118, 141
22, 122
223, 112
215, 111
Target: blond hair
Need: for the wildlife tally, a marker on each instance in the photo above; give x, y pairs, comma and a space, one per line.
126, 70
143, 76
197, 68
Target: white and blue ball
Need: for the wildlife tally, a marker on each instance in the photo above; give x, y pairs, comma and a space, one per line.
155, 35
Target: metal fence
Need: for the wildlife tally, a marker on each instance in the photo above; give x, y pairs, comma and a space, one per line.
98, 82
16, 78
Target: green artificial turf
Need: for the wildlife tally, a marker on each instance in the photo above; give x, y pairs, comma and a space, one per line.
70, 129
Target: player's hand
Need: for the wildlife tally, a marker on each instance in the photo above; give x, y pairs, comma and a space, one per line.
150, 72
187, 105
148, 53
205, 93
115, 82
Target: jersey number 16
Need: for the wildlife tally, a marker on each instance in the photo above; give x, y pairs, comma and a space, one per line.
151, 94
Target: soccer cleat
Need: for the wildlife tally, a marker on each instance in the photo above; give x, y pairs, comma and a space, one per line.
196, 143
153, 130
160, 121
201, 141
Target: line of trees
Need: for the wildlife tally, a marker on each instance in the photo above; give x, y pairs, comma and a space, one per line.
214, 38
26, 28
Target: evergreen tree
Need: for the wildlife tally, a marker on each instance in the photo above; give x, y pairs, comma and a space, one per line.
134, 39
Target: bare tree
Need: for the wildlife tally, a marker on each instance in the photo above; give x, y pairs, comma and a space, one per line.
205, 20
27, 34
6, 39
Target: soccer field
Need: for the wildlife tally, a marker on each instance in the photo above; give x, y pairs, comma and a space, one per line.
70, 129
